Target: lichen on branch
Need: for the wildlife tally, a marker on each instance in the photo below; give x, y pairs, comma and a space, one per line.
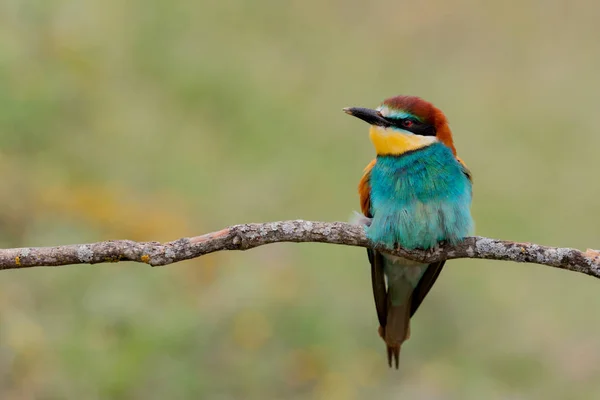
248, 236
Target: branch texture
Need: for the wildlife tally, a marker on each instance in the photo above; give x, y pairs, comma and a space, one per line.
248, 236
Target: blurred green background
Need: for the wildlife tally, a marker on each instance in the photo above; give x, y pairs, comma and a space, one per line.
153, 120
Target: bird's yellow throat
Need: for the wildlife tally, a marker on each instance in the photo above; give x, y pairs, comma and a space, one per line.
395, 142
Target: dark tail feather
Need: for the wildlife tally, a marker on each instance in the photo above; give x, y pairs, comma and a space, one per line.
396, 331
393, 352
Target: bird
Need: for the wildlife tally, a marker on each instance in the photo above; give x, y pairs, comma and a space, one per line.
416, 193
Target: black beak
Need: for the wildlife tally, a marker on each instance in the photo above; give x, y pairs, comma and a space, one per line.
372, 117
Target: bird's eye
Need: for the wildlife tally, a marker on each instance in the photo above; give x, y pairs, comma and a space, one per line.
407, 123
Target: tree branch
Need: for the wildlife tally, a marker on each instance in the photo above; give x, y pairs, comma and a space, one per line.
248, 236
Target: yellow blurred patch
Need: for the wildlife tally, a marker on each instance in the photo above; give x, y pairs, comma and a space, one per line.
305, 366
250, 330
366, 368
285, 284
335, 386
115, 210
22, 334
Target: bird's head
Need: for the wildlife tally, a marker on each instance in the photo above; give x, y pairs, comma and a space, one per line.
404, 123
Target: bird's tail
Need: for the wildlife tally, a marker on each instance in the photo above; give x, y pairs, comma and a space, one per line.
396, 331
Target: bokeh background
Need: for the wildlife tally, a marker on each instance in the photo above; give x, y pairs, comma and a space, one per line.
155, 119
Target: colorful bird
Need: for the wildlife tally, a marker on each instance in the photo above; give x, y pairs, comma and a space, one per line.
416, 193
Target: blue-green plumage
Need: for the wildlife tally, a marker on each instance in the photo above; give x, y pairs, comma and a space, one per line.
420, 198
416, 193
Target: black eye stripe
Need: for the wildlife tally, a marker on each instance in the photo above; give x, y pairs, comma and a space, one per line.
417, 127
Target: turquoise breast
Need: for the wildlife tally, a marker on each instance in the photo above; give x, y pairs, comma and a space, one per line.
419, 199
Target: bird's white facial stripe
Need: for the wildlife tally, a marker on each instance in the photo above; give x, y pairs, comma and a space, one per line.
389, 113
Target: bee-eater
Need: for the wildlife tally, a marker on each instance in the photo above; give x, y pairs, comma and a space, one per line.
415, 194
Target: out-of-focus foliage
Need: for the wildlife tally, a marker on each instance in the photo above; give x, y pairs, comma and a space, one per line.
156, 119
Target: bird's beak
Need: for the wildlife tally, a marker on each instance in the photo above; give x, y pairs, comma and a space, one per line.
368, 115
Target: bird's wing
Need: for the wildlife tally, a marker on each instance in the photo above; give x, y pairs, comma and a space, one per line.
364, 190
375, 257
433, 270
425, 283
465, 169
378, 283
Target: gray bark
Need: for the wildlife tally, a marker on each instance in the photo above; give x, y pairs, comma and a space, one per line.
248, 236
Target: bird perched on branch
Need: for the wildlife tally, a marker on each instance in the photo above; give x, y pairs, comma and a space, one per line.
416, 192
